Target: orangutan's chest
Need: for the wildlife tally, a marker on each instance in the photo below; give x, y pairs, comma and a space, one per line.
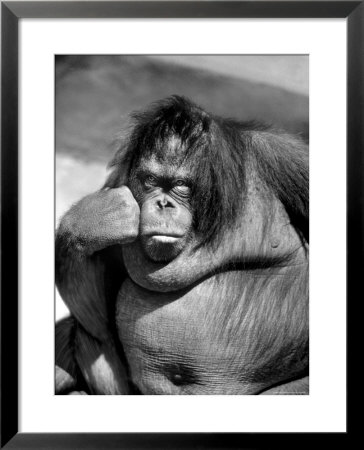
179, 343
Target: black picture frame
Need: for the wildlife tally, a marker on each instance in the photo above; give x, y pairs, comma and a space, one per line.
11, 12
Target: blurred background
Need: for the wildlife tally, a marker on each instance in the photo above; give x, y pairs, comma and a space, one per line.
96, 93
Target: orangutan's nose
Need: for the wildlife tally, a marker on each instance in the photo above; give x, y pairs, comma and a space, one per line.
163, 202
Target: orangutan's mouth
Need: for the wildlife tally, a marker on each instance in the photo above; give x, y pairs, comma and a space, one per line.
163, 247
164, 238
168, 233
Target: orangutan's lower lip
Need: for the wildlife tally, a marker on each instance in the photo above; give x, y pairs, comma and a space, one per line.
164, 238
153, 234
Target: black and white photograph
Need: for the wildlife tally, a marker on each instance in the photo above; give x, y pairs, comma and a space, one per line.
182, 224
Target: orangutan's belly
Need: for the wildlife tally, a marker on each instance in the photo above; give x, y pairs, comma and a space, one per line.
182, 343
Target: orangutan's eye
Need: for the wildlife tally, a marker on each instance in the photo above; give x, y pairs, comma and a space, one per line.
150, 180
181, 188
180, 183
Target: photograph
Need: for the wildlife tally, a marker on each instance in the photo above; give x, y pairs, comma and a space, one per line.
164, 166
182, 224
